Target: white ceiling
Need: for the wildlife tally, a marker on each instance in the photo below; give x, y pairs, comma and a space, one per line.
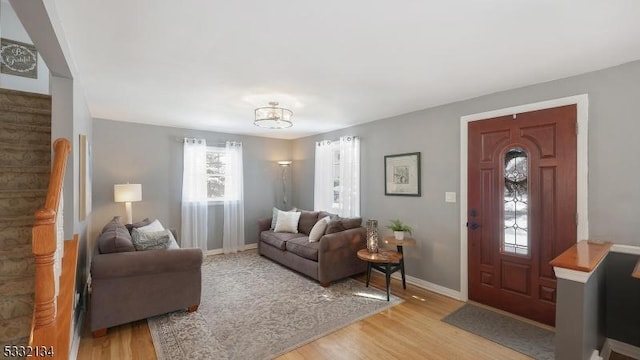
207, 64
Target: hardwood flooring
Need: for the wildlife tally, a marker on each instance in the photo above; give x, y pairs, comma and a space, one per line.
411, 330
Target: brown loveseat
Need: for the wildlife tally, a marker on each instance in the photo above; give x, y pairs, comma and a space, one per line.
333, 257
129, 285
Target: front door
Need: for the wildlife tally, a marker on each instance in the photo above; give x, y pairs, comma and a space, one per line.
521, 208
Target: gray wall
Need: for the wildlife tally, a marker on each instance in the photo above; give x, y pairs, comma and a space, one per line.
580, 320
152, 156
613, 148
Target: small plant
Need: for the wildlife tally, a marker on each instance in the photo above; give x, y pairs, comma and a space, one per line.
397, 225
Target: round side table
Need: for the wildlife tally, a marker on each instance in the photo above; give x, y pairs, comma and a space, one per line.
385, 261
407, 241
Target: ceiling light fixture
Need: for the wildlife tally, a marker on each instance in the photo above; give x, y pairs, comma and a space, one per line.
273, 117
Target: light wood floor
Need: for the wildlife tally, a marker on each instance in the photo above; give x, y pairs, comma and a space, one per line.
411, 330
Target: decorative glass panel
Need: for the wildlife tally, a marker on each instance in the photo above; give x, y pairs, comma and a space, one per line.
516, 205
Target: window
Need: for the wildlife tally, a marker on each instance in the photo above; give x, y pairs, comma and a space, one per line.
516, 204
216, 173
337, 176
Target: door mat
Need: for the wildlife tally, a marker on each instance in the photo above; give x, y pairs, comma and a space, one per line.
520, 336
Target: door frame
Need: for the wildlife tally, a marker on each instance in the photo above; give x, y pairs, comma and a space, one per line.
582, 104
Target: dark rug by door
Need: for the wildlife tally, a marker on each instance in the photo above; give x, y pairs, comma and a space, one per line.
518, 335
253, 308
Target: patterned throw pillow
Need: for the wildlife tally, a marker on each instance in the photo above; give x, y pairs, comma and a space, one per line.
138, 224
318, 229
287, 222
153, 240
154, 226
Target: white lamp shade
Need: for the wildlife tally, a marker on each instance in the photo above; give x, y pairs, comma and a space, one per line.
127, 192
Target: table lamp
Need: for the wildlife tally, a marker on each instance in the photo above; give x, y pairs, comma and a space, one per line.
127, 193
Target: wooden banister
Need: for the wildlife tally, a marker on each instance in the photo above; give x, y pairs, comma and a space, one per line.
636, 270
583, 256
44, 245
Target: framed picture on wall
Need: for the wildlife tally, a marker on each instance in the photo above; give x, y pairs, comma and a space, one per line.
85, 177
402, 174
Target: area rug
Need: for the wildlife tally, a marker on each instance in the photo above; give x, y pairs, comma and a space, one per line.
515, 334
253, 308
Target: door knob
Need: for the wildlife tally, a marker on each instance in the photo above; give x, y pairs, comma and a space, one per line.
473, 225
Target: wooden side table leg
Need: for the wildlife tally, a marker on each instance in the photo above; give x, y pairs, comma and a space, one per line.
388, 276
368, 272
404, 281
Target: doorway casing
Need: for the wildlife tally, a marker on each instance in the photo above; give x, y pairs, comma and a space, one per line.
582, 105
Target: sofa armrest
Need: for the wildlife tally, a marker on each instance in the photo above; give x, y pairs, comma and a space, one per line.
264, 225
136, 263
337, 255
352, 238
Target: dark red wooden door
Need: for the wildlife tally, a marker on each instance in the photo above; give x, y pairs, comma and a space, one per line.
521, 209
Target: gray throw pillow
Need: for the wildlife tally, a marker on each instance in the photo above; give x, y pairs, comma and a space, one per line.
115, 238
138, 224
153, 240
350, 223
334, 226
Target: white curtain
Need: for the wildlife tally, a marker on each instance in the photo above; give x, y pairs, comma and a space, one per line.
323, 185
194, 195
233, 231
349, 176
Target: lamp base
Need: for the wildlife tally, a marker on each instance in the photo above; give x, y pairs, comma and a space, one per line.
127, 207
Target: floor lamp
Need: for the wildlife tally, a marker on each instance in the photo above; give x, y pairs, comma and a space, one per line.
127, 193
284, 164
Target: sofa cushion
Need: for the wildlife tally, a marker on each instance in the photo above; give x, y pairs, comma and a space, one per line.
279, 240
334, 226
153, 226
350, 223
274, 216
303, 248
318, 229
115, 238
114, 223
287, 222
153, 240
307, 220
138, 224
324, 214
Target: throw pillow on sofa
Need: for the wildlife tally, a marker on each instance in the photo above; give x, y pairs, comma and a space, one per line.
154, 226
138, 224
115, 238
153, 240
318, 229
287, 222
351, 223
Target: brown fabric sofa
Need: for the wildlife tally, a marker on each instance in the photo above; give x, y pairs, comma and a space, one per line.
332, 258
129, 285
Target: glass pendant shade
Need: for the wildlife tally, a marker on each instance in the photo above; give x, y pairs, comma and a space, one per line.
273, 117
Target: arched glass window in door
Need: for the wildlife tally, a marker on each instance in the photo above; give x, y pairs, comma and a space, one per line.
516, 202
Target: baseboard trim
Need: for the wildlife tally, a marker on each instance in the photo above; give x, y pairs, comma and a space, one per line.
595, 355
77, 334
219, 251
454, 294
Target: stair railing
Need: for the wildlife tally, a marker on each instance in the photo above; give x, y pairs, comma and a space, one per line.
44, 246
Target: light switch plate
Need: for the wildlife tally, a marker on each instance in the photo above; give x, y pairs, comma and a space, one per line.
450, 197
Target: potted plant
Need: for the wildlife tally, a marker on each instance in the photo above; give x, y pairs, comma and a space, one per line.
399, 228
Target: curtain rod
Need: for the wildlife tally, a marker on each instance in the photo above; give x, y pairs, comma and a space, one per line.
218, 143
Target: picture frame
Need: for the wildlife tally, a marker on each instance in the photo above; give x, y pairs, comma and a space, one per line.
85, 177
18, 58
402, 174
